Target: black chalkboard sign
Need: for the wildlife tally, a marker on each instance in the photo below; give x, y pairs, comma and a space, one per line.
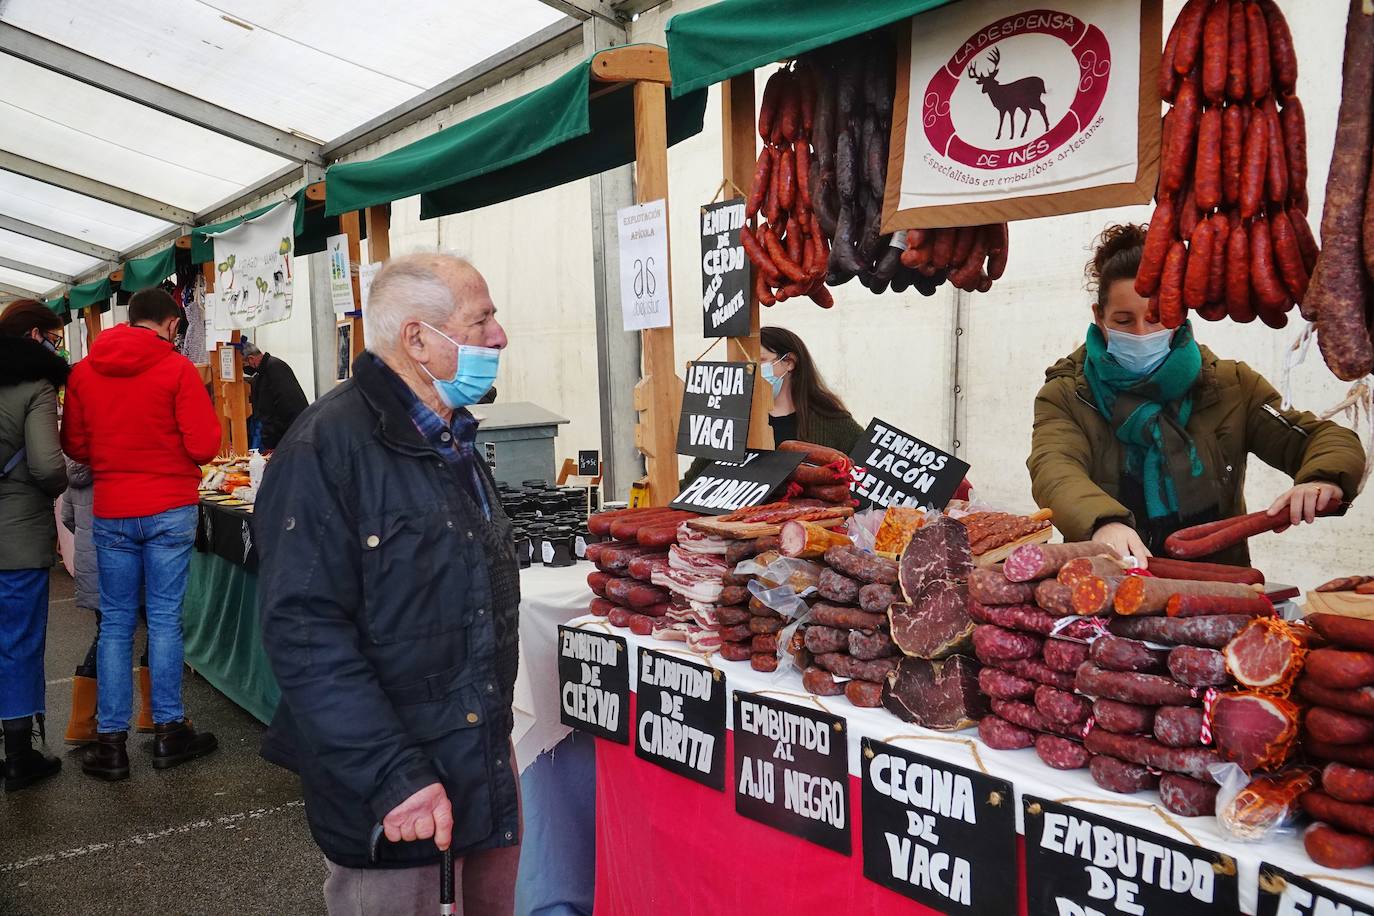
726, 486
588, 463
725, 271
715, 410
937, 833
1078, 862
792, 769
891, 466
680, 717
1282, 893
594, 683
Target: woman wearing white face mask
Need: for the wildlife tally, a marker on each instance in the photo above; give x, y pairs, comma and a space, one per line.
804, 407
1141, 431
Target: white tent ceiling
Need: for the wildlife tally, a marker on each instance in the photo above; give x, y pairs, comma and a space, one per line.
123, 120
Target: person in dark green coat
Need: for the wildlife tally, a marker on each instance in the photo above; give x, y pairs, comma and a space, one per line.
1141, 431
804, 407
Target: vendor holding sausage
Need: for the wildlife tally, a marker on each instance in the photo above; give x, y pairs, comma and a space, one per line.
803, 406
1141, 431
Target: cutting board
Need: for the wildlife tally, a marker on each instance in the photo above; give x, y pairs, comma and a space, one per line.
1347, 604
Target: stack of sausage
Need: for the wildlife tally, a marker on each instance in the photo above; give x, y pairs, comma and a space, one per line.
756, 637
1338, 296
989, 531
823, 475
848, 635
1339, 681
1229, 236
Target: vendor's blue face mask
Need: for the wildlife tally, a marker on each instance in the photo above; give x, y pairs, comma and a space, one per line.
774, 381
1139, 354
472, 377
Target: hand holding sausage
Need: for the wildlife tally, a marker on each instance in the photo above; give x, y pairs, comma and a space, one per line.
1123, 539
1306, 500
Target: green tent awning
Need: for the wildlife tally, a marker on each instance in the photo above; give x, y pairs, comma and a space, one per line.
313, 227
542, 139
60, 307
96, 293
142, 273
732, 37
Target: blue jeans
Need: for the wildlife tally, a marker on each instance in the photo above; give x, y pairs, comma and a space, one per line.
147, 557
23, 632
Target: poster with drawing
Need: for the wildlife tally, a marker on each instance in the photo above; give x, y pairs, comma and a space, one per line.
340, 274
253, 268
1023, 109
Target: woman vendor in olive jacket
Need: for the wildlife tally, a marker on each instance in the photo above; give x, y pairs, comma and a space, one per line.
1141, 431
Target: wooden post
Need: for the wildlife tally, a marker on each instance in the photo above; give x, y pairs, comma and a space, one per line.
231, 396
658, 396
92, 319
738, 157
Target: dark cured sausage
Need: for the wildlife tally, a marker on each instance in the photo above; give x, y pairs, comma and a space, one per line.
1027, 716
1191, 761
864, 566
1198, 667
845, 618
1336, 727
1001, 735
1210, 632
845, 666
1337, 295
820, 682
996, 644
1232, 153
1163, 225
1033, 669
1124, 718
1179, 726
1257, 51
1238, 305
864, 693
1346, 816
1119, 776
868, 646
1237, 67
1307, 244
1055, 597
1024, 617
1168, 568
1340, 669
1003, 685
1060, 706
1351, 632
1207, 166
1064, 655
822, 639
1197, 274
1130, 687
837, 587
1188, 797
1348, 784
1215, 40
1114, 653
1061, 753
1330, 848
876, 598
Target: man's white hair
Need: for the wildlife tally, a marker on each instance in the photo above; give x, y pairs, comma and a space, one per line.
410, 287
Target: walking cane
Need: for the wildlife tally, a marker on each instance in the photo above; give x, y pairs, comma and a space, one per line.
447, 902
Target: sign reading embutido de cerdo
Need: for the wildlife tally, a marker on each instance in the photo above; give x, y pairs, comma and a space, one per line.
1014, 110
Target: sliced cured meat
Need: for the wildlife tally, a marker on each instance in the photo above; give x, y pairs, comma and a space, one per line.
937, 625
1333, 726
681, 558
1253, 730
1001, 735
1146, 596
704, 641
1081, 569
941, 694
1064, 654
696, 586
1131, 687
1187, 797
937, 551
1265, 804
1179, 726
1124, 718
1003, 685
990, 586
1116, 653
994, 644
1266, 655
1040, 561
1024, 617
1209, 632
1340, 669
1061, 753
1198, 667
1121, 776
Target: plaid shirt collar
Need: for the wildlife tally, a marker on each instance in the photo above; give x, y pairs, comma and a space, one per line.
455, 441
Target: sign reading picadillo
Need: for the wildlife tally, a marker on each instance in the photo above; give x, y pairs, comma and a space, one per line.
1282, 893
792, 769
937, 833
1079, 863
594, 683
891, 466
726, 485
680, 717
725, 272
715, 410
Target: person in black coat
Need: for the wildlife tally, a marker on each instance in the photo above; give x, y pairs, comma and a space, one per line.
275, 394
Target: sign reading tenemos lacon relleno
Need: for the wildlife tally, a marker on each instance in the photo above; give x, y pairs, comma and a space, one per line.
1021, 109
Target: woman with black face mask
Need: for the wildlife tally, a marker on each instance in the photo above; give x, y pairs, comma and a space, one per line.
1141, 431
33, 473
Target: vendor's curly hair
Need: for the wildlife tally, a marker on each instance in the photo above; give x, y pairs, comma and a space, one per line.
1116, 256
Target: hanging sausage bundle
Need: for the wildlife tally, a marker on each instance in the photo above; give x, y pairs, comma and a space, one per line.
1229, 236
817, 198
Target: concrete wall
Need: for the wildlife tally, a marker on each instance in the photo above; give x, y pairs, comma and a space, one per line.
891, 355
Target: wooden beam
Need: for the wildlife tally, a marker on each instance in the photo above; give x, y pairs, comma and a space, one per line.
658, 396
314, 191
351, 225
632, 63
93, 329
231, 396
738, 157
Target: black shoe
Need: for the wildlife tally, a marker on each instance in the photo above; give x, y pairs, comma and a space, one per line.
108, 758
177, 742
28, 767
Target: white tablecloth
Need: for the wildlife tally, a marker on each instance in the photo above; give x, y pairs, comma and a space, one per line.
548, 597
1022, 768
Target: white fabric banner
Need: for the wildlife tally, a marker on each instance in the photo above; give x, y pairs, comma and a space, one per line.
253, 267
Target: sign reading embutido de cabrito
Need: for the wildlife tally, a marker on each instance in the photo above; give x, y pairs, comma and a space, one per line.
1015, 110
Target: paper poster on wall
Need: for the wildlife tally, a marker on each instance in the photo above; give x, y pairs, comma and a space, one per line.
366, 273
253, 268
226, 364
340, 274
1022, 109
644, 265
343, 345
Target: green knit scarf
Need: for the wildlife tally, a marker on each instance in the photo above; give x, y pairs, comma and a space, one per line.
1150, 415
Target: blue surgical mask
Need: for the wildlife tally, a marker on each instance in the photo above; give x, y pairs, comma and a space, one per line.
1139, 354
774, 381
472, 377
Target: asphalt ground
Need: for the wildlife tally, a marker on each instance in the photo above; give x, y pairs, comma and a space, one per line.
224, 834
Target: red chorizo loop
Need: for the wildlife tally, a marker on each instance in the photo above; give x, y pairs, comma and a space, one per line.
1201, 540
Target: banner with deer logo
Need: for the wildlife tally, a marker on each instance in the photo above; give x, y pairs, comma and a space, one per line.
1013, 110
253, 269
